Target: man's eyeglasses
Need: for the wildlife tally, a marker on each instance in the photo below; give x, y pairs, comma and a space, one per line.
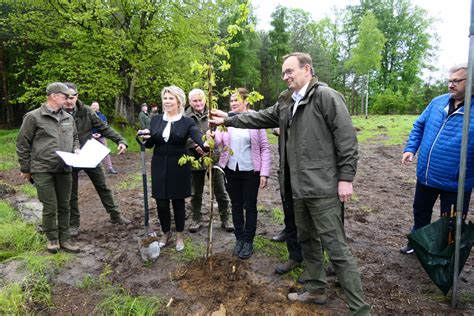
289, 72
455, 81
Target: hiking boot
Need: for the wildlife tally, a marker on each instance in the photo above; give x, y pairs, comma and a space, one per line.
112, 171
52, 246
247, 250
120, 219
406, 249
74, 231
238, 247
227, 225
287, 266
307, 297
195, 226
281, 237
69, 247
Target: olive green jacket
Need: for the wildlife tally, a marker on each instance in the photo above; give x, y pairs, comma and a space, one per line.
42, 133
201, 121
318, 143
86, 119
144, 119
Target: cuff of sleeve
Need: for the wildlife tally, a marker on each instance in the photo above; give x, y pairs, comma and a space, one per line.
349, 177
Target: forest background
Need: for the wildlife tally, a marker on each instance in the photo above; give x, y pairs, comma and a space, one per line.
123, 52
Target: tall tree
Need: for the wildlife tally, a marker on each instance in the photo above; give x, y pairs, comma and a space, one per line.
366, 56
279, 45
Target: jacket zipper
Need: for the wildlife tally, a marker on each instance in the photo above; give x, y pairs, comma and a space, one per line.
434, 143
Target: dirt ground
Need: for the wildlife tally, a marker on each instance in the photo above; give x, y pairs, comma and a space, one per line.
377, 221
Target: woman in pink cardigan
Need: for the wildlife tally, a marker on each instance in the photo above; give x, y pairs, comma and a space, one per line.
247, 169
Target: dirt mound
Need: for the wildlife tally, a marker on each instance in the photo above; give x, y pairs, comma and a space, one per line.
230, 283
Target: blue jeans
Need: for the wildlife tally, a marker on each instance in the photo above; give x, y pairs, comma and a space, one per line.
425, 198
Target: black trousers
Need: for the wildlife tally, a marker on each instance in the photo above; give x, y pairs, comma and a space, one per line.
164, 214
242, 187
425, 198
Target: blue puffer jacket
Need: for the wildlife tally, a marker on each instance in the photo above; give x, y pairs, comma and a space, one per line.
438, 136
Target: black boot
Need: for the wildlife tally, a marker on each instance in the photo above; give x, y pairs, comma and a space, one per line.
238, 247
246, 251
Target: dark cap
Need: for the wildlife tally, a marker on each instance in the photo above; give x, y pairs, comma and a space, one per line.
58, 87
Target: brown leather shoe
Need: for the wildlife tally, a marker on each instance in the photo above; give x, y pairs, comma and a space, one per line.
120, 219
307, 297
52, 246
286, 266
195, 226
74, 231
227, 225
69, 247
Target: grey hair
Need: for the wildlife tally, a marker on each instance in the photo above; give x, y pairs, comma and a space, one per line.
303, 59
178, 93
457, 67
197, 92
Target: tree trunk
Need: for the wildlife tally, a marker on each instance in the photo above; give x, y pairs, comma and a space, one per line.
9, 115
124, 105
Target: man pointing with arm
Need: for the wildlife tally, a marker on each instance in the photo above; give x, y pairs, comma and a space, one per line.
318, 161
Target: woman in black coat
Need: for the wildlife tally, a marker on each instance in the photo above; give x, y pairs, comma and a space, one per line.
169, 133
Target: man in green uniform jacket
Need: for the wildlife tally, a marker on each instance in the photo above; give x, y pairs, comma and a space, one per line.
43, 132
86, 120
144, 118
198, 112
318, 155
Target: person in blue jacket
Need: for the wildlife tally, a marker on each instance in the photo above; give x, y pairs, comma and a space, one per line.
436, 136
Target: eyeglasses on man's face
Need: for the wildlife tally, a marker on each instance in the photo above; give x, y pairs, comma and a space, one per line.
289, 72
455, 81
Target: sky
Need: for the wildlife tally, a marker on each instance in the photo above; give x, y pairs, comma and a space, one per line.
451, 25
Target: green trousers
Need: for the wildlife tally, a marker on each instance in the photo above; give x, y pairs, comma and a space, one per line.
54, 191
319, 226
97, 176
197, 187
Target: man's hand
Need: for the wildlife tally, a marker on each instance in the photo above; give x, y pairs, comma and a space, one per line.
121, 149
199, 150
263, 182
344, 191
96, 135
407, 158
217, 118
26, 176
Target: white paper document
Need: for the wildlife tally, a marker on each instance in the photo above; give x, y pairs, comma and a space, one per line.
92, 153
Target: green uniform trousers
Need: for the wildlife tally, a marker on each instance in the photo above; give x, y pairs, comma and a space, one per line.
97, 176
54, 191
197, 187
319, 226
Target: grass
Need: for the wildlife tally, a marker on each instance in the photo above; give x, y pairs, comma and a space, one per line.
117, 300
271, 249
384, 129
16, 236
20, 241
28, 189
193, 250
129, 134
132, 181
278, 216
8, 160
272, 139
120, 302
